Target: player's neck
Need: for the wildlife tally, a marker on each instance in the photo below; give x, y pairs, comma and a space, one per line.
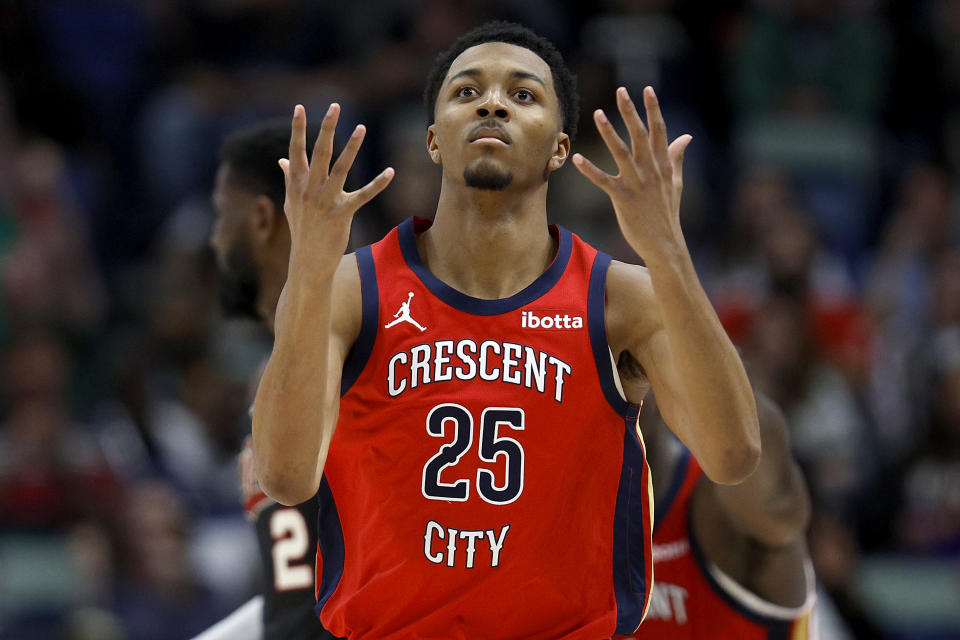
488, 244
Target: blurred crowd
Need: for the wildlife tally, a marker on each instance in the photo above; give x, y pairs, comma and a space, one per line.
821, 208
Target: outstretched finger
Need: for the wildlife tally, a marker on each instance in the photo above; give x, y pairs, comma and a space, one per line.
297, 151
618, 149
323, 147
343, 164
369, 191
593, 173
658, 131
677, 148
639, 142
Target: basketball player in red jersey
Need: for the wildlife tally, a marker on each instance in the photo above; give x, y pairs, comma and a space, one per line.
731, 562
449, 393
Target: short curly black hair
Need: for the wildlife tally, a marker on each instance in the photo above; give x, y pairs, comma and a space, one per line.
564, 81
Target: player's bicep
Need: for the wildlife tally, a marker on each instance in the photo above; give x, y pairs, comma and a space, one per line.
641, 345
653, 354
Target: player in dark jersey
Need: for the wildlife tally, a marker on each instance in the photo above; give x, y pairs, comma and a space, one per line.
252, 245
731, 562
450, 393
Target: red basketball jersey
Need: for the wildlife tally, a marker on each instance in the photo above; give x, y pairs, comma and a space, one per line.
486, 478
693, 599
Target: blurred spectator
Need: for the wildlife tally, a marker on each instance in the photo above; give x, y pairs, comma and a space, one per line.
809, 79
52, 474
159, 596
929, 519
46, 272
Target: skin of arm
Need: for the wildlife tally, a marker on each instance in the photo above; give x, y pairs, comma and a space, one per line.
318, 315
659, 318
772, 506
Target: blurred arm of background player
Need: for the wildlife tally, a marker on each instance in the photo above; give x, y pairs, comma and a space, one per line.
755, 531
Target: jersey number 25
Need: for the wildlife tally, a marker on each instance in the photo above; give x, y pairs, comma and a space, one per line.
460, 422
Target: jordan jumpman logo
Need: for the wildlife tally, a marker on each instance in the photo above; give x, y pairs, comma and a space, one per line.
403, 315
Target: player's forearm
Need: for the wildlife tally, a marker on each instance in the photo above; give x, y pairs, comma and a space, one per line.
772, 506
295, 410
710, 381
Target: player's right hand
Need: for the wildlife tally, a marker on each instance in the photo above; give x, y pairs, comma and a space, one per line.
318, 209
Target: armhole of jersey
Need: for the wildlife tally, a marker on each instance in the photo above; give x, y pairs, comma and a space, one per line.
602, 354
363, 347
330, 548
747, 603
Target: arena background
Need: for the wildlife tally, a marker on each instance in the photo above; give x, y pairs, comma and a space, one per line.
821, 209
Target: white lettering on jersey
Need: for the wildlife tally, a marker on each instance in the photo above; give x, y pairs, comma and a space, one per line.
453, 553
491, 360
670, 550
668, 602
530, 320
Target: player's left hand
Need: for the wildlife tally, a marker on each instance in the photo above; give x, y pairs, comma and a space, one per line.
646, 192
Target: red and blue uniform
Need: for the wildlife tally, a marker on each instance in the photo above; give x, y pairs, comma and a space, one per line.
693, 599
486, 477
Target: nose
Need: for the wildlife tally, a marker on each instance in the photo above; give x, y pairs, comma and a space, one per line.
494, 104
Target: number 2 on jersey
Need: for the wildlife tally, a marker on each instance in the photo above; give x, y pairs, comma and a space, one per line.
460, 423
291, 543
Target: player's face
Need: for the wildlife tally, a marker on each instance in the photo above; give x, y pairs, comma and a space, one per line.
239, 279
497, 121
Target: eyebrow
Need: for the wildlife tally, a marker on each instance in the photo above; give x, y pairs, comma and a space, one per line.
473, 73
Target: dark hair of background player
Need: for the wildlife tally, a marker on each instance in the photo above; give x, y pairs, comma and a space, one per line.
499, 31
252, 156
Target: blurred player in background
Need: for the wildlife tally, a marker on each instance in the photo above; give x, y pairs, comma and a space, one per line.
251, 241
731, 561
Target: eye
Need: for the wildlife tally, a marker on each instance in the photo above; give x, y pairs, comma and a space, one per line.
524, 95
467, 92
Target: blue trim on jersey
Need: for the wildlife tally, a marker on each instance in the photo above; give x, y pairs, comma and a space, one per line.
664, 505
596, 319
776, 628
629, 535
330, 539
363, 347
478, 306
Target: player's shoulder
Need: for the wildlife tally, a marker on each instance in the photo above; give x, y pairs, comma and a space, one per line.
625, 279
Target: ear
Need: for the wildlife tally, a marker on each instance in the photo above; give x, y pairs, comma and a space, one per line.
560, 152
266, 220
433, 147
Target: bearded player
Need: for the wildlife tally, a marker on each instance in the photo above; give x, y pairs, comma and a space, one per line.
482, 478
251, 241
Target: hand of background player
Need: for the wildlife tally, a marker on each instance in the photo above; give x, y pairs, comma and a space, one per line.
318, 209
646, 192
254, 499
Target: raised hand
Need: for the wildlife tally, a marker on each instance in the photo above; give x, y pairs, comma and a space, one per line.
646, 192
318, 209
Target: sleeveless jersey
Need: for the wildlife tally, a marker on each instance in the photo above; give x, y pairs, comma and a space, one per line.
486, 478
694, 600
